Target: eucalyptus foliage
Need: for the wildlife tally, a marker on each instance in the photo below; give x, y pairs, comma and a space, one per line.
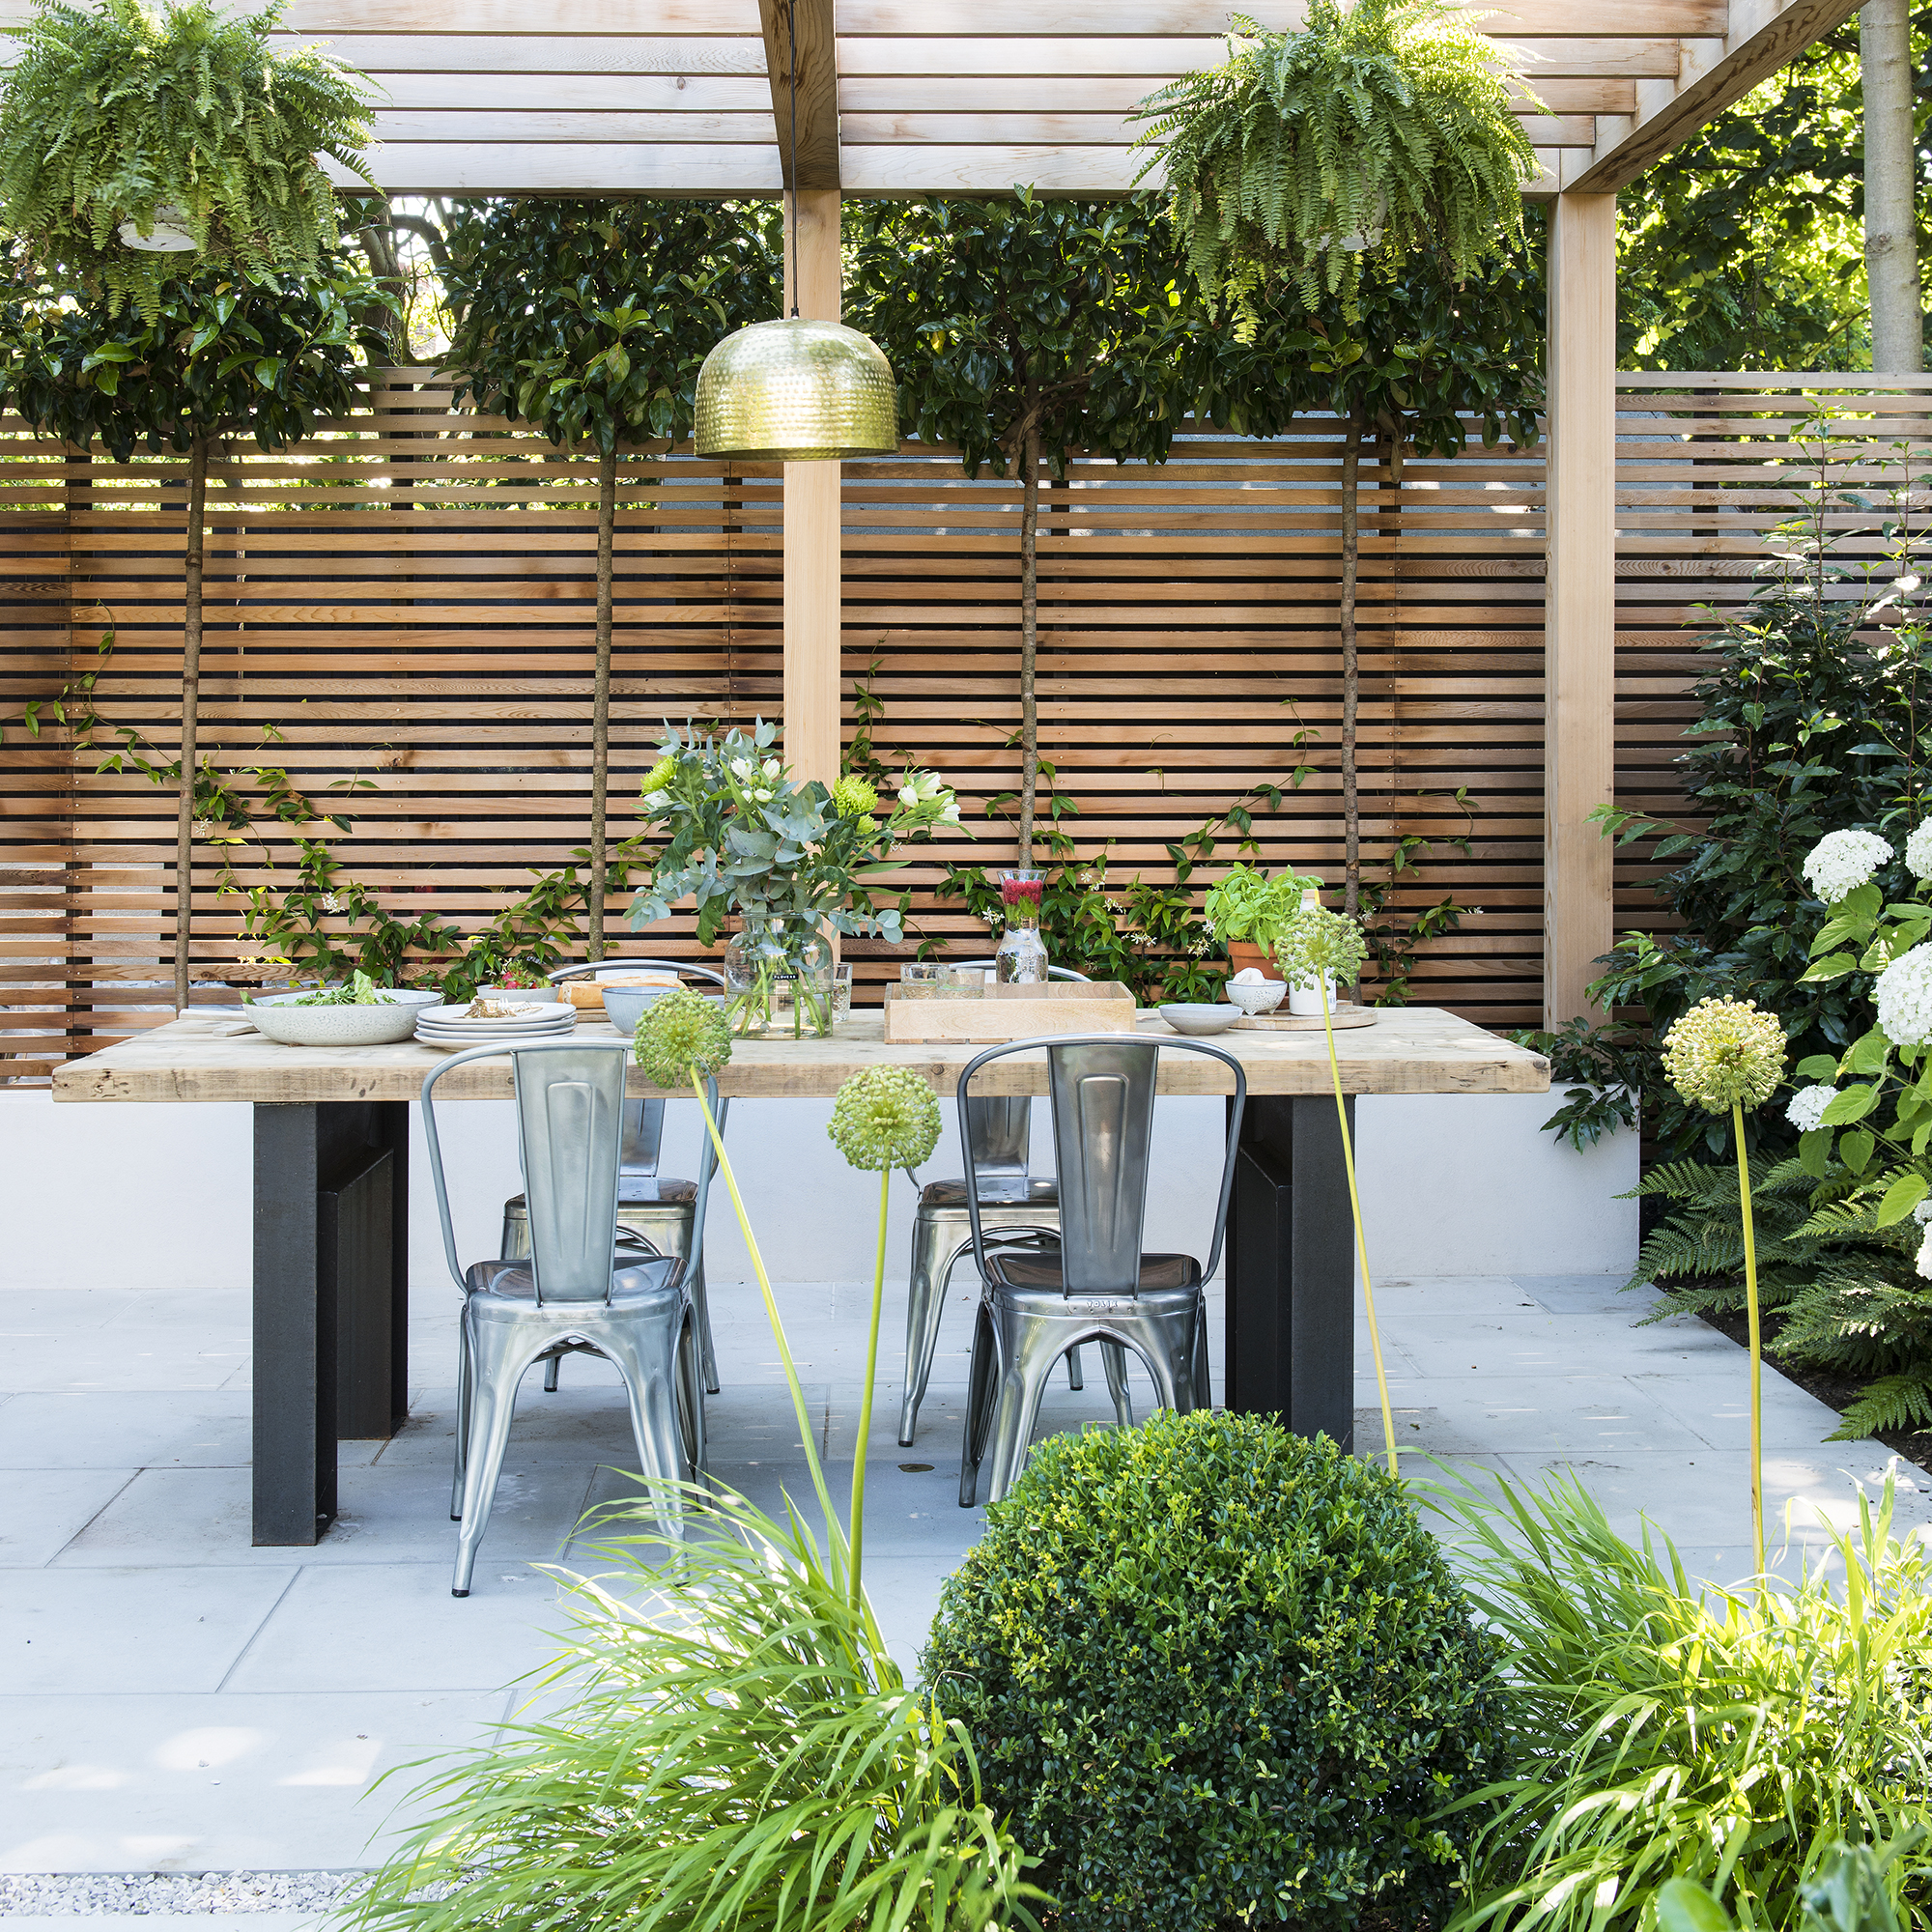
1668, 1731
120, 111
1384, 128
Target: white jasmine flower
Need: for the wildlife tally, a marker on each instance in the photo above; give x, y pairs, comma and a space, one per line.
330, 903
1919, 850
1903, 998
1907, 583
1807, 1105
1925, 1254
1843, 860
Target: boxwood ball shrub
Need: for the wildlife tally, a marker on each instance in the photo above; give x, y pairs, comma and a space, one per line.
1214, 1671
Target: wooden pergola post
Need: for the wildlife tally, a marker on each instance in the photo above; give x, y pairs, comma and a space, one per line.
813, 561
1580, 619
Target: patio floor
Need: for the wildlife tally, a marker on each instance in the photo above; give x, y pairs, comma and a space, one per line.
176, 1700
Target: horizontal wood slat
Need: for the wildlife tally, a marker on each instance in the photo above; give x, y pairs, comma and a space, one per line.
407, 601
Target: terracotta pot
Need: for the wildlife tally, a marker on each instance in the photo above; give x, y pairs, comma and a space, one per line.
1244, 952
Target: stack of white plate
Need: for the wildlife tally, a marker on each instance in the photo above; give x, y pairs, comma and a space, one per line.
451, 1028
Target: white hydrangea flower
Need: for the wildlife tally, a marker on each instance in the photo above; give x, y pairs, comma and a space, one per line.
1807, 1105
1843, 860
1922, 1213
1919, 850
1925, 1254
1903, 997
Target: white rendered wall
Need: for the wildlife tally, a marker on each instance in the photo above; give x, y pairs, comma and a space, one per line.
1452, 1184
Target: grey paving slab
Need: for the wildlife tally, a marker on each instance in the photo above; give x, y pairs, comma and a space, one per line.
40, 1514
119, 1630
128, 1429
1584, 1414
90, 1782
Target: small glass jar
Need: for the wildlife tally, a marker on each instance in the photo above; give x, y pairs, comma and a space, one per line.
1020, 958
919, 980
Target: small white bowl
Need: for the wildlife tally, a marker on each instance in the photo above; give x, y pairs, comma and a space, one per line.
1192, 1019
1257, 995
392, 1018
521, 995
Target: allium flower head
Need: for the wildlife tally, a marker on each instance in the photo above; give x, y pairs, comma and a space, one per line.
1725, 1053
853, 798
883, 1117
1919, 850
659, 775
1807, 1106
1903, 997
1843, 860
681, 1034
1316, 941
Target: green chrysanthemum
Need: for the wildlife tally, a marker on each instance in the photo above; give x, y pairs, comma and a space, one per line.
883, 1117
1316, 941
851, 798
681, 1037
659, 775
1725, 1053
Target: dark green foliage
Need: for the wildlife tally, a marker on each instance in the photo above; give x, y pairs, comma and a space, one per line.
113, 112
1218, 1672
591, 319
1604, 1070
219, 352
1389, 121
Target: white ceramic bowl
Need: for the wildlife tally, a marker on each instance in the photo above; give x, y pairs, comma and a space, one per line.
1257, 995
1200, 1019
392, 1018
624, 1006
521, 995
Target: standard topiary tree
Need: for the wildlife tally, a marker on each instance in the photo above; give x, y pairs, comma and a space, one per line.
591, 320
1216, 1673
222, 353
1022, 329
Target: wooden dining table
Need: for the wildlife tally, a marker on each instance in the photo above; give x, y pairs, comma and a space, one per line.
331, 1192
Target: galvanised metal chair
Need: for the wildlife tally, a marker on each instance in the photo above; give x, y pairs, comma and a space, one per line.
578, 1289
667, 1214
1015, 1201
1038, 1300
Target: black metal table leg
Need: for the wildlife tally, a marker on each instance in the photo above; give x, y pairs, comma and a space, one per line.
1291, 1269
331, 1300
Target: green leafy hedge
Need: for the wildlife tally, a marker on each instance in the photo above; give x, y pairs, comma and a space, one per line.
1217, 1671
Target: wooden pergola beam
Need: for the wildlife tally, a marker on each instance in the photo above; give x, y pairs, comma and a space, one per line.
1761, 37
815, 88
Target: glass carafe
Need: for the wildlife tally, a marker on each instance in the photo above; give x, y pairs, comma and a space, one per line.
1021, 955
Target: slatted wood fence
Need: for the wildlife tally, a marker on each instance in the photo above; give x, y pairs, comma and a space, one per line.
406, 602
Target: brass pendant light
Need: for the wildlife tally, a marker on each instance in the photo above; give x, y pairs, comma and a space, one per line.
796, 391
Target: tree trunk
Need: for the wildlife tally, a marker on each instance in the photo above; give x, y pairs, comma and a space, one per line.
1892, 232
600, 702
1352, 683
1028, 641
197, 517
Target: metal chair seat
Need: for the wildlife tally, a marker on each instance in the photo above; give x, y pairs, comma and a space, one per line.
491, 1281
1041, 1273
943, 1196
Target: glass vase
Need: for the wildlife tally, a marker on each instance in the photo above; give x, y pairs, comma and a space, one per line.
778, 977
1020, 958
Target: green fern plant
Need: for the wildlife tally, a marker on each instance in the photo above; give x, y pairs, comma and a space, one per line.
1383, 130
117, 113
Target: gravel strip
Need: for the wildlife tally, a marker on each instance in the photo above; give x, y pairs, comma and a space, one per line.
113, 1894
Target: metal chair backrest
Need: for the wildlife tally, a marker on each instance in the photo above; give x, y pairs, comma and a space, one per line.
644, 1120
1102, 1088
570, 1110
999, 1146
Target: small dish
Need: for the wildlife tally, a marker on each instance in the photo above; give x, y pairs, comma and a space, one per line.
522, 996
1257, 995
1192, 1019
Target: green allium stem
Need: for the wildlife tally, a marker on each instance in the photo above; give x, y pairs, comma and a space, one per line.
1361, 1245
1756, 1350
858, 1525
813, 1462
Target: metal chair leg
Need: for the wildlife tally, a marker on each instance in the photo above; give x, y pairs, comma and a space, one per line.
498, 1361
1114, 1358
651, 1386
700, 1304
463, 1377
926, 1304
1203, 1378
693, 1456
983, 1382
1021, 1387
550, 1374
1075, 1381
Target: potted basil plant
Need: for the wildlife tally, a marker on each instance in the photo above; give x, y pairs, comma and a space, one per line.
129, 135
1247, 908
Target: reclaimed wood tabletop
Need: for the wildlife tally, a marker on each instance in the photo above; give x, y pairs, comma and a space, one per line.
1409, 1050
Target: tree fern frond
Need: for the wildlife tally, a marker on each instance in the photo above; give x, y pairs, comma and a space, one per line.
1893, 1401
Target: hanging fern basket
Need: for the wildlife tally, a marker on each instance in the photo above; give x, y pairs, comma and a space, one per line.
1383, 130
131, 134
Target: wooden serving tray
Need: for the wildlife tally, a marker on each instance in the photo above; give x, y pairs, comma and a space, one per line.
1010, 1012
1343, 1015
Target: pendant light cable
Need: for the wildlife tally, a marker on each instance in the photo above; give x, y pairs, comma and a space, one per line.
791, 27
